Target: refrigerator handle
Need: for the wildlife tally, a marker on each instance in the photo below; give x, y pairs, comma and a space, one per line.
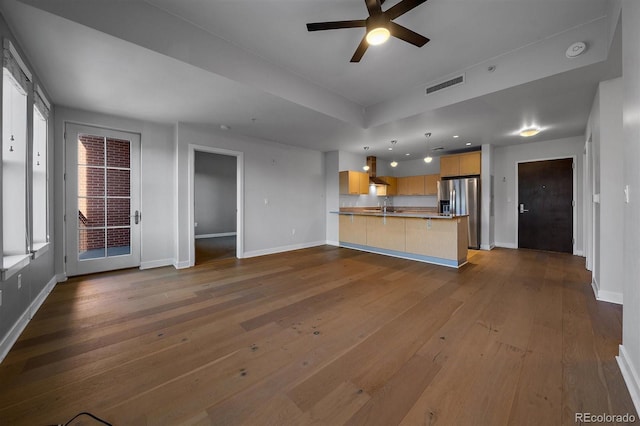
452, 197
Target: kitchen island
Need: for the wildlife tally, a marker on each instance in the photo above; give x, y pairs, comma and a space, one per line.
411, 234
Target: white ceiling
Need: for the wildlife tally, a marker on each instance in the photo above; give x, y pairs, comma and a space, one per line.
89, 64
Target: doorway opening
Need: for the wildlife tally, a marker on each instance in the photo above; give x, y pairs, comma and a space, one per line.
216, 225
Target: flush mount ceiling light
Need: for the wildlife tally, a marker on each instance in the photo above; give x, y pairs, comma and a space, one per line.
529, 131
377, 36
394, 164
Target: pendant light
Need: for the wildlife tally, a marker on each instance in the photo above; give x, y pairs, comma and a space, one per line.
394, 163
366, 166
428, 158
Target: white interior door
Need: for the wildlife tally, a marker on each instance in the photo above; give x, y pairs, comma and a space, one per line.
102, 199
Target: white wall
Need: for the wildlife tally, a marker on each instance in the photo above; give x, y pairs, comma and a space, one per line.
605, 129
505, 170
215, 193
284, 192
156, 202
629, 359
487, 206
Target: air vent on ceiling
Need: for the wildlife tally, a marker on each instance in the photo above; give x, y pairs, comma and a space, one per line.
437, 148
445, 84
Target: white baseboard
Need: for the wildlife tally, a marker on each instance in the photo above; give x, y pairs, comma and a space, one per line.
61, 278
282, 249
579, 253
506, 245
182, 265
332, 243
605, 296
630, 375
14, 333
222, 234
156, 264
487, 246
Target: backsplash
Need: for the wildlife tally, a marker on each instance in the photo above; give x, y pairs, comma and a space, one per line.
396, 200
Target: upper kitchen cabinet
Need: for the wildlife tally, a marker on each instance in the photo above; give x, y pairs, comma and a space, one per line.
391, 188
354, 183
467, 164
411, 185
431, 184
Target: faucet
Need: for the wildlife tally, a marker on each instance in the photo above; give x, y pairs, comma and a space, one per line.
384, 205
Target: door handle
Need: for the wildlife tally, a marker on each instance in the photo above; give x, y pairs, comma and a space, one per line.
522, 209
137, 217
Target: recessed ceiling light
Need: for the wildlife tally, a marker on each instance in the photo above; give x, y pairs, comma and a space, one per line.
530, 131
407, 154
468, 144
456, 136
390, 148
224, 127
394, 164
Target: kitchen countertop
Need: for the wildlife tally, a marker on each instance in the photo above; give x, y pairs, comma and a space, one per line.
399, 213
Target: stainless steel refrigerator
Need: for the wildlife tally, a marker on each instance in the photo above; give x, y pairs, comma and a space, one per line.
462, 196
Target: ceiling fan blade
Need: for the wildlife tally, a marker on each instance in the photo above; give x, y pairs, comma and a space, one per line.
362, 47
403, 7
407, 35
336, 25
373, 6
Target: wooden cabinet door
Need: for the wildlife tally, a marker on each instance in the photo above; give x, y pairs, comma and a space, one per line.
449, 166
353, 183
386, 232
470, 163
363, 183
353, 229
392, 188
411, 185
431, 184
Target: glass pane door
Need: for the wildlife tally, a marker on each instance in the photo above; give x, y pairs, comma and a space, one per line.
106, 218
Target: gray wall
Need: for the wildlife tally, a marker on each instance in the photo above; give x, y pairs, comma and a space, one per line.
39, 274
630, 350
214, 193
284, 192
505, 160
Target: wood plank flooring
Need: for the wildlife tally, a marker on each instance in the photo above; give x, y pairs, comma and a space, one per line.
322, 336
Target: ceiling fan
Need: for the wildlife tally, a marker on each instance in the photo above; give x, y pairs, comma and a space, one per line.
379, 26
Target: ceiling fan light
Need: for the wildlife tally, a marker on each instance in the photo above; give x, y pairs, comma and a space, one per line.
378, 36
394, 164
428, 159
531, 131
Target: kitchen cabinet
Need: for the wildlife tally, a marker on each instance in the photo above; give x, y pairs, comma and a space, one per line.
392, 188
470, 163
386, 232
467, 164
353, 229
433, 237
431, 184
354, 183
411, 185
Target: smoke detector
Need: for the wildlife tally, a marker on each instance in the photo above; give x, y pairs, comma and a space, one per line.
576, 49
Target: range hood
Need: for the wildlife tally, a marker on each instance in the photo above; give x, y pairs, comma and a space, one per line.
373, 179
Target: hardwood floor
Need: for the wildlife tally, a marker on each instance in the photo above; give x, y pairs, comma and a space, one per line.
216, 248
322, 336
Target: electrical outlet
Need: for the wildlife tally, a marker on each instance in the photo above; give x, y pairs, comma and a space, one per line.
19, 281
195, 225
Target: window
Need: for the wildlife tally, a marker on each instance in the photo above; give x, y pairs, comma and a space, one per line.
39, 181
15, 152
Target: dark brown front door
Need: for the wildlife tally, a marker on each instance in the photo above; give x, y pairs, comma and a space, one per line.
545, 205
